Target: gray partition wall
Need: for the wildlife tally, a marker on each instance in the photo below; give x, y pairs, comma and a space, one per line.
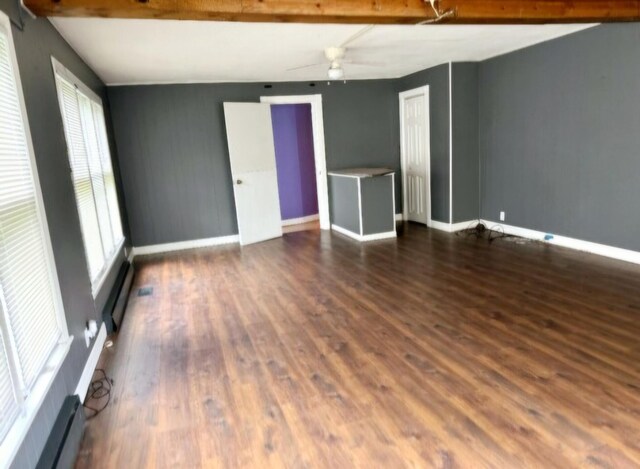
343, 203
377, 204
465, 160
362, 203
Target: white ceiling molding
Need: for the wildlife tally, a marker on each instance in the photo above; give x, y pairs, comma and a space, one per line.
125, 51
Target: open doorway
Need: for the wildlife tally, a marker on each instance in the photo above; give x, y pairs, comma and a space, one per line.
300, 158
295, 163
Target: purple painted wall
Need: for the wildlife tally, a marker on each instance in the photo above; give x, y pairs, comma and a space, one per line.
293, 140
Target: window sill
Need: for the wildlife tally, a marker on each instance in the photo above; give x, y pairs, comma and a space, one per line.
13, 440
98, 283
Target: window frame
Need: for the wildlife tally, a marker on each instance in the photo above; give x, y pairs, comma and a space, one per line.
98, 282
30, 405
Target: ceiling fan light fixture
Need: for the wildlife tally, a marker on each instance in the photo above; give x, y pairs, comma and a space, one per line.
336, 73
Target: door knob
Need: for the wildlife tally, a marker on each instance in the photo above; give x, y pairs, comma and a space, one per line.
239, 181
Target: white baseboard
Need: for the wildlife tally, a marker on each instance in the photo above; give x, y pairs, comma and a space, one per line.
359, 237
452, 227
130, 255
181, 245
377, 236
300, 220
345, 232
438, 225
463, 225
572, 243
399, 217
92, 362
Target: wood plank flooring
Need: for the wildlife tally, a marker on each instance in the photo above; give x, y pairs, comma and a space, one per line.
432, 350
310, 225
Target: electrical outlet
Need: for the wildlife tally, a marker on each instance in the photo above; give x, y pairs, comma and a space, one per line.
502, 216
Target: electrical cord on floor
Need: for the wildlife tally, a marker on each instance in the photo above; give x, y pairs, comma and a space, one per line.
480, 231
99, 389
475, 228
496, 232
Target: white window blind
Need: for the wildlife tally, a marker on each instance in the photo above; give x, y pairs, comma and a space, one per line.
92, 172
109, 178
29, 301
79, 162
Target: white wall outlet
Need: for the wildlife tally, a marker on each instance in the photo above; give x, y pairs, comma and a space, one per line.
502, 216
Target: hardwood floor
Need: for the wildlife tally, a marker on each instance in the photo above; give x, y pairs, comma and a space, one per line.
431, 350
310, 225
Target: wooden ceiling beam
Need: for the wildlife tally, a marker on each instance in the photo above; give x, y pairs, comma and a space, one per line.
348, 11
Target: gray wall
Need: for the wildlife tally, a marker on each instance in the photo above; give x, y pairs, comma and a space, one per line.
36, 41
343, 203
438, 80
466, 160
377, 205
560, 136
173, 152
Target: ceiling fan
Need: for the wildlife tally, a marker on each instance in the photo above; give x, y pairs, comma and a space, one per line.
335, 56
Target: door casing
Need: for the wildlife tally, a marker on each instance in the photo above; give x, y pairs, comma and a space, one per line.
424, 92
320, 158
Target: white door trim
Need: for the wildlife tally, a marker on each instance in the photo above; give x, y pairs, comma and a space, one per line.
317, 124
424, 91
450, 143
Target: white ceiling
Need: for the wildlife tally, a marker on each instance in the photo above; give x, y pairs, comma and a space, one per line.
166, 51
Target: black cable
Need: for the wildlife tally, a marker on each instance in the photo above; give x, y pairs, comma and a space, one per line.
475, 228
99, 389
499, 233
469, 230
480, 231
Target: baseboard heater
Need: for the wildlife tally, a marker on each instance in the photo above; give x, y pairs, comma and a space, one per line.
62, 447
117, 302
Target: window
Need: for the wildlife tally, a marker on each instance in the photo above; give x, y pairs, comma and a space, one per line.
92, 173
32, 327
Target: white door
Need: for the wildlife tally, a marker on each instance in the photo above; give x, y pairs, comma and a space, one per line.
253, 169
414, 148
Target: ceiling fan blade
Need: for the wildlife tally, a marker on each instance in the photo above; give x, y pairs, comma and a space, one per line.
307, 66
364, 63
357, 35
